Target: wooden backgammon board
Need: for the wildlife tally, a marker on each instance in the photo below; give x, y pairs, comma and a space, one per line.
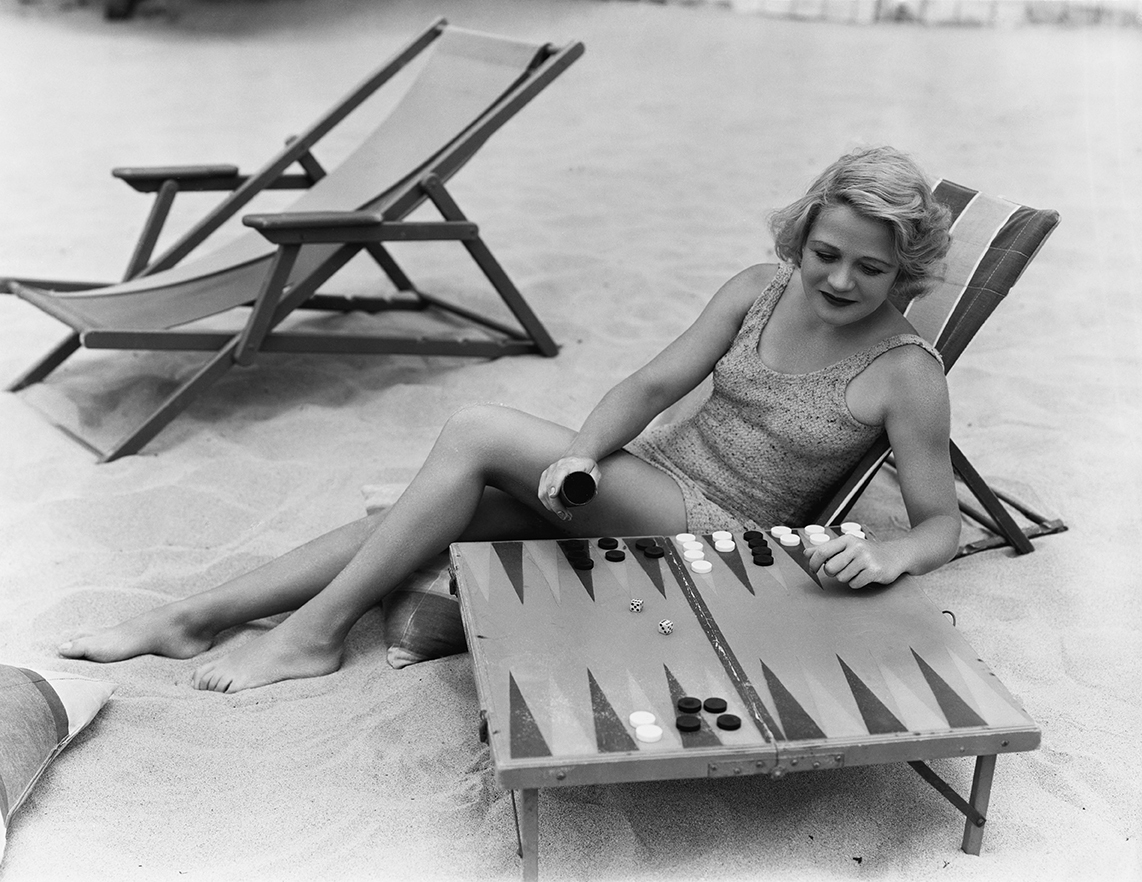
576, 644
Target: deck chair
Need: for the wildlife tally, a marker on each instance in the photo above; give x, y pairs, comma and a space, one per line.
993, 240
468, 86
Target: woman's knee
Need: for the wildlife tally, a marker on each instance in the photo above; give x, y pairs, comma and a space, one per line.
474, 423
497, 436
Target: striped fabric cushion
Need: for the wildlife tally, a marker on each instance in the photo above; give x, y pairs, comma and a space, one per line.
993, 240
40, 712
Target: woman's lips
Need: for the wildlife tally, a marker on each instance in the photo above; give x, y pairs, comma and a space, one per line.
836, 301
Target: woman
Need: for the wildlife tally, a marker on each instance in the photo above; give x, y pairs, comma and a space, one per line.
811, 360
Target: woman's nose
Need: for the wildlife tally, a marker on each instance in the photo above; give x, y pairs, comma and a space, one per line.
841, 278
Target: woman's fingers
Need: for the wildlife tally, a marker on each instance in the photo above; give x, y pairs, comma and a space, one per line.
847, 559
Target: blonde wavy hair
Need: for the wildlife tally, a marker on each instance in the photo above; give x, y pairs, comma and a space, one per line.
883, 184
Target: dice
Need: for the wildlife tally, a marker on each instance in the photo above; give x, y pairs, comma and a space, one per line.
666, 626
636, 605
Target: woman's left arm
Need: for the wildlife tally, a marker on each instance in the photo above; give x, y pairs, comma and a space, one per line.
917, 417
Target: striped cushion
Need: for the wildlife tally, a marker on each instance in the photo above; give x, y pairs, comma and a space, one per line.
40, 712
993, 240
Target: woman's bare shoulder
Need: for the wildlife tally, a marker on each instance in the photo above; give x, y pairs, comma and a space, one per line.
747, 285
760, 273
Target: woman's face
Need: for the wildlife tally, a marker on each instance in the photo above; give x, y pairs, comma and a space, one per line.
848, 265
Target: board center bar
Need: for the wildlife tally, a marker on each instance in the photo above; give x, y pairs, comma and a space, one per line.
718, 642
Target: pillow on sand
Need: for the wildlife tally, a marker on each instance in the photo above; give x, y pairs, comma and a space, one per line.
40, 712
421, 615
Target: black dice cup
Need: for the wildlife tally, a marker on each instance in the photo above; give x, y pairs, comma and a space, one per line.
578, 489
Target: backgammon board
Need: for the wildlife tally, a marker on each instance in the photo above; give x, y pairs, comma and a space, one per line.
570, 638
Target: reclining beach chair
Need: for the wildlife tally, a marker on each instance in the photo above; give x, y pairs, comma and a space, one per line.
470, 84
993, 240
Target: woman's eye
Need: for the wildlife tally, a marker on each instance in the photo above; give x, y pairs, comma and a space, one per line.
872, 271
824, 256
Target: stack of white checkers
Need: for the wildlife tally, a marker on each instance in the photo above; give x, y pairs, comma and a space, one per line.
694, 550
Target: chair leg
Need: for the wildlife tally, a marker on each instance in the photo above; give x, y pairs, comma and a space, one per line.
508, 291
491, 268
164, 199
175, 404
47, 364
391, 268
1003, 520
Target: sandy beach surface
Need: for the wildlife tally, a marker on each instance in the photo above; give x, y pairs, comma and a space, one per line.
618, 201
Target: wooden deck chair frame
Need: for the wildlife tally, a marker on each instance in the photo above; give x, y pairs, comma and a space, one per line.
353, 231
993, 242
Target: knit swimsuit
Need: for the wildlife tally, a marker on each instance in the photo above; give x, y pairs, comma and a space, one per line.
766, 446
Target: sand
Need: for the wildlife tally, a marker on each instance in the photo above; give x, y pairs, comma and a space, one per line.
618, 201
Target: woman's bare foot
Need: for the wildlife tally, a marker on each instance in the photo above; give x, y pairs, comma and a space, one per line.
170, 630
281, 654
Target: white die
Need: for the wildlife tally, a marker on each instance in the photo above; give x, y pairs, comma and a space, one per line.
666, 626
636, 605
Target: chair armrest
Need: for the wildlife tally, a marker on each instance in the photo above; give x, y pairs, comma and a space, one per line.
298, 227
150, 179
189, 177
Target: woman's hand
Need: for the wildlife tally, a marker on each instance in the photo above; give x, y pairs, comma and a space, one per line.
554, 475
854, 561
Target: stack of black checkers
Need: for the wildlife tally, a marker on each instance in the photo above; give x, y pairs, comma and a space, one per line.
689, 708
762, 553
578, 552
649, 547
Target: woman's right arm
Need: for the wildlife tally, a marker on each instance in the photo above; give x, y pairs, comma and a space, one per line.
629, 407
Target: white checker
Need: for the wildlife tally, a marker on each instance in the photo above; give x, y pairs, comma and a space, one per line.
701, 566
814, 528
780, 531
790, 539
722, 534
725, 545
685, 537
694, 554
641, 718
850, 527
648, 733
819, 538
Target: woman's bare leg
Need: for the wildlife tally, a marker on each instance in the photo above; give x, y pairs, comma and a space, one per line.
184, 628
187, 627
480, 447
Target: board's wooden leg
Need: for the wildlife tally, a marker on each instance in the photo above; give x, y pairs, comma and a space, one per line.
529, 833
980, 794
